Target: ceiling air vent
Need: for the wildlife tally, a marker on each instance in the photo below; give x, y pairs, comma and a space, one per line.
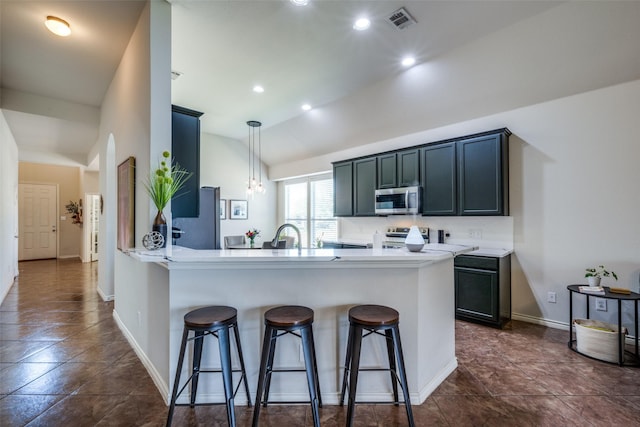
401, 19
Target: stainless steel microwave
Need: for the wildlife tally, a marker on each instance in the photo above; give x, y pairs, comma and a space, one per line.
398, 201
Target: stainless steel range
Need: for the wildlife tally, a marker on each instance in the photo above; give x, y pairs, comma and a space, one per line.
397, 235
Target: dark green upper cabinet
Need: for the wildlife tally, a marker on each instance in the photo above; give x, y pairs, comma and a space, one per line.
343, 189
185, 150
364, 185
387, 170
408, 167
439, 193
483, 175
399, 169
459, 176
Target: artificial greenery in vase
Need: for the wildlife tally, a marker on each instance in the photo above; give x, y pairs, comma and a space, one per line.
162, 184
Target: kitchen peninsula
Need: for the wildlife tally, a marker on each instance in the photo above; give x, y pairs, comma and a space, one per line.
419, 285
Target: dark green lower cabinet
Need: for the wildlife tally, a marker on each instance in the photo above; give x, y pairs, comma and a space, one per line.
483, 289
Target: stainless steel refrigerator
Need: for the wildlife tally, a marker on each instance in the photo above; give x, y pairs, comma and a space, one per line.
202, 232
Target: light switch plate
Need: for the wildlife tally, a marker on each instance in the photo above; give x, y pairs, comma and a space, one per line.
551, 297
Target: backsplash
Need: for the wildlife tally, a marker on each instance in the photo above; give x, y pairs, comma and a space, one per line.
487, 232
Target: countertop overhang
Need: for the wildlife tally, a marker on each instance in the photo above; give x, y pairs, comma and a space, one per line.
180, 257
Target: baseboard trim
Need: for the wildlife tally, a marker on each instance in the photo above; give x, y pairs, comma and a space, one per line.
630, 339
104, 296
540, 321
163, 388
69, 256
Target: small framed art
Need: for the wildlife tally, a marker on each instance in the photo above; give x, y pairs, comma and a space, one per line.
238, 209
223, 209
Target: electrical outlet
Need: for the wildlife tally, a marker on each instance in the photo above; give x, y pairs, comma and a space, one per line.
551, 297
475, 233
601, 304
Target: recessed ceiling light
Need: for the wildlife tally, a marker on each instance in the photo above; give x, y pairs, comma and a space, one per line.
361, 24
408, 61
58, 26
300, 2
258, 89
306, 107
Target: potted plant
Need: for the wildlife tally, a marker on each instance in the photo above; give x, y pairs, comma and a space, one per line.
594, 275
161, 185
75, 209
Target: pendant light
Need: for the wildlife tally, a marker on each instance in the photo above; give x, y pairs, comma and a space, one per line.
255, 185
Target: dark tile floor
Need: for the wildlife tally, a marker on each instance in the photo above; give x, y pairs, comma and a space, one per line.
63, 362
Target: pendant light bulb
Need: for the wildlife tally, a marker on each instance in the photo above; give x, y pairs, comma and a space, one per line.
254, 185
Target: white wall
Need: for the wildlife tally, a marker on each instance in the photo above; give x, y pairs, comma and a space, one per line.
224, 164
8, 208
136, 118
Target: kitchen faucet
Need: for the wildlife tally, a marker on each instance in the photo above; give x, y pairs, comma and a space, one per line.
274, 242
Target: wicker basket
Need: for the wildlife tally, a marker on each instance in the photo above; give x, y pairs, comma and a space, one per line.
599, 343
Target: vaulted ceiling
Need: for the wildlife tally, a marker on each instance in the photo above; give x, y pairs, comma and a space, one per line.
52, 87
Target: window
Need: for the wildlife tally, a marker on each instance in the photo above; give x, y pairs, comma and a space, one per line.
308, 204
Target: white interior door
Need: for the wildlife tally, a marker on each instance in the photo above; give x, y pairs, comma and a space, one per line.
37, 208
94, 224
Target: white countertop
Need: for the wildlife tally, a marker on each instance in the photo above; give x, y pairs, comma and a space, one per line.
493, 252
182, 255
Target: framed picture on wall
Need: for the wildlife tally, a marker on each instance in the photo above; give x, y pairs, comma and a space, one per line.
126, 204
223, 209
238, 209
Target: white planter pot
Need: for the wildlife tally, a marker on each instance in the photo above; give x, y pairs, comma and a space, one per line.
593, 281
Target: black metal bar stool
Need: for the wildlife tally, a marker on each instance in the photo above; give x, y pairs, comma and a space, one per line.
298, 321
217, 321
372, 319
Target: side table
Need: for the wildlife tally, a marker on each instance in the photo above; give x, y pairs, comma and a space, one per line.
633, 297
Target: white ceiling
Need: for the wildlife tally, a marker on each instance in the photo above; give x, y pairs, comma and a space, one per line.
52, 88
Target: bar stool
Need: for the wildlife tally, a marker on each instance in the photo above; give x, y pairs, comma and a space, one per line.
217, 321
298, 321
372, 319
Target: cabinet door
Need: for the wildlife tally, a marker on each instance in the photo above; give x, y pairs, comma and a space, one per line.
408, 168
364, 185
477, 294
481, 178
387, 171
185, 150
439, 182
343, 189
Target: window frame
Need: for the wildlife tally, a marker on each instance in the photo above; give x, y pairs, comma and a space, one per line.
308, 180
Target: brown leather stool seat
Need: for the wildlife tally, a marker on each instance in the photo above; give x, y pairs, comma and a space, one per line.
215, 320
372, 319
298, 321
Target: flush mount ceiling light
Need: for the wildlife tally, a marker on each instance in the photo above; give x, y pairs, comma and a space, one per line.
306, 107
258, 89
300, 2
254, 185
58, 26
361, 24
408, 61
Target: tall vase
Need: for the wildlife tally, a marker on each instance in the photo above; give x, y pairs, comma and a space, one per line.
160, 225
